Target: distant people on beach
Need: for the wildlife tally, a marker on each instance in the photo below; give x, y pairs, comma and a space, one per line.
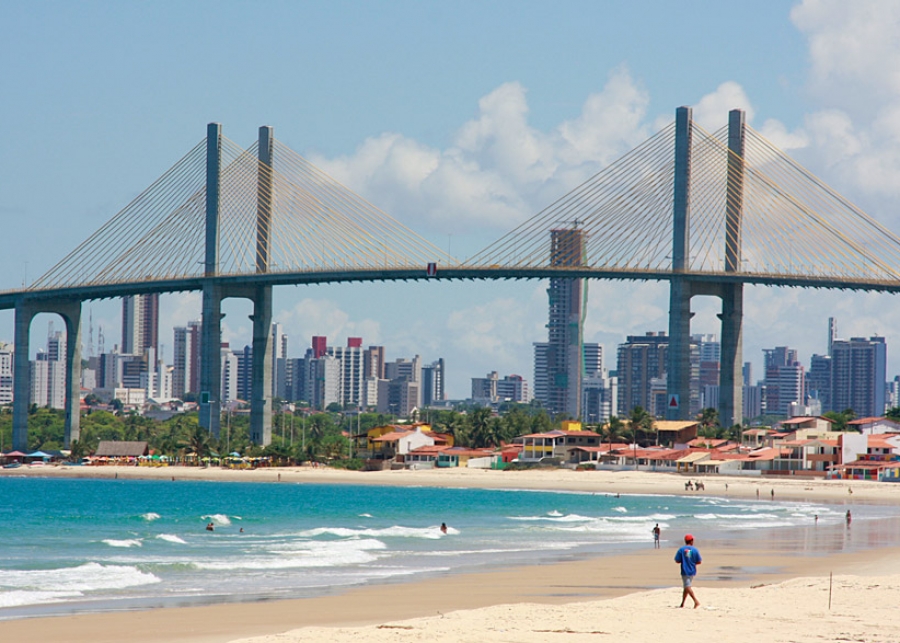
817, 519
773, 494
688, 557
757, 494
210, 526
443, 528
688, 486
656, 536
849, 518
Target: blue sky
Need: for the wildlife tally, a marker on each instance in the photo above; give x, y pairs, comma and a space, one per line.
506, 103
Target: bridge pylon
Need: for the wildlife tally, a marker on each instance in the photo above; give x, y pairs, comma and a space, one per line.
214, 292
683, 287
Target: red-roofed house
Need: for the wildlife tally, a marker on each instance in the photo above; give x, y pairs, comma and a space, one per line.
873, 425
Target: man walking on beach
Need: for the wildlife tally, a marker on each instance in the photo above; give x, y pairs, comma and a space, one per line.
656, 536
688, 557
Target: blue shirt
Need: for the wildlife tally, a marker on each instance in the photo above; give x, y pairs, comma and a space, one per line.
689, 557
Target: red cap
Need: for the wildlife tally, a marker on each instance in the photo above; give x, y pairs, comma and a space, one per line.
688, 538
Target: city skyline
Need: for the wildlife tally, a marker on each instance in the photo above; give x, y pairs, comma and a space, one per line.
850, 373
460, 152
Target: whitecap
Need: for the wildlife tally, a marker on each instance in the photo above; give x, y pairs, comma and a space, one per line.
171, 538
128, 542
219, 519
150, 515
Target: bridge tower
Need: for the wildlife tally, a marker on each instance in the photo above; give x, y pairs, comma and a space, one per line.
683, 287
214, 292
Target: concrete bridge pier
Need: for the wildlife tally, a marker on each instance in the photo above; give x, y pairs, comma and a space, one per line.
261, 374
211, 316
26, 310
683, 288
211, 359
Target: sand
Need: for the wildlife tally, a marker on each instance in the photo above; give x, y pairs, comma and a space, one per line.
758, 588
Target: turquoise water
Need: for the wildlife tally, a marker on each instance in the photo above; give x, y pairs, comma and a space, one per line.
71, 545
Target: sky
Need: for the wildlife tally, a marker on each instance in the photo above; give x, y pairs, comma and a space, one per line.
460, 119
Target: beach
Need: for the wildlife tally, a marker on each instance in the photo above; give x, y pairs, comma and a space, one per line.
758, 585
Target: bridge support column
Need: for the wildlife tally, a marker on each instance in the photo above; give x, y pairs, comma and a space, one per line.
731, 381
731, 392
211, 359
211, 333
70, 311
678, 383
261, 375
22, 380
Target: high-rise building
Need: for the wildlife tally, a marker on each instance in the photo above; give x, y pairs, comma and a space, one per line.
598, 398
279, 361
140, 323
559, 365
323, 381
513, 388
640, 359
48, 374
229, 374
433, 383
7, 362
351, 365
245, 373
859, 375
784, 380
593, 359
319, 346
818, 381
186, 360
373, 362
484, 389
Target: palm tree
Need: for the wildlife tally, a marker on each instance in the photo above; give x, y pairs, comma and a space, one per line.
709, 420
639, 422
481, 428
613, 429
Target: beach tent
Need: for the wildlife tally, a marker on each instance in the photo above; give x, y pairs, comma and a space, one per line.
38, 455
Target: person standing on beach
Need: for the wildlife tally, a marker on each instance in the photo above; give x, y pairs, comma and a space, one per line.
688, 557
656, 536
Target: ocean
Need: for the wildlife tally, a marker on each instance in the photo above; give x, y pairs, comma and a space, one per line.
87, 545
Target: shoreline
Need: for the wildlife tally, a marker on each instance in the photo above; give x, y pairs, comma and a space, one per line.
610, 482
736, 563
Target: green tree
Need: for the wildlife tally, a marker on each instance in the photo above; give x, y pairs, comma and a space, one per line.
709, 422
840, 420
613, 430
640, 422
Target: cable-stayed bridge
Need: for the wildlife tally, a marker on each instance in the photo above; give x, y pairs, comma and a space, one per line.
708, 212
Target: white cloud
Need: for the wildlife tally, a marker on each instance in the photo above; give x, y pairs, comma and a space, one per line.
499, 169
852, 45
711, 111
326, 317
